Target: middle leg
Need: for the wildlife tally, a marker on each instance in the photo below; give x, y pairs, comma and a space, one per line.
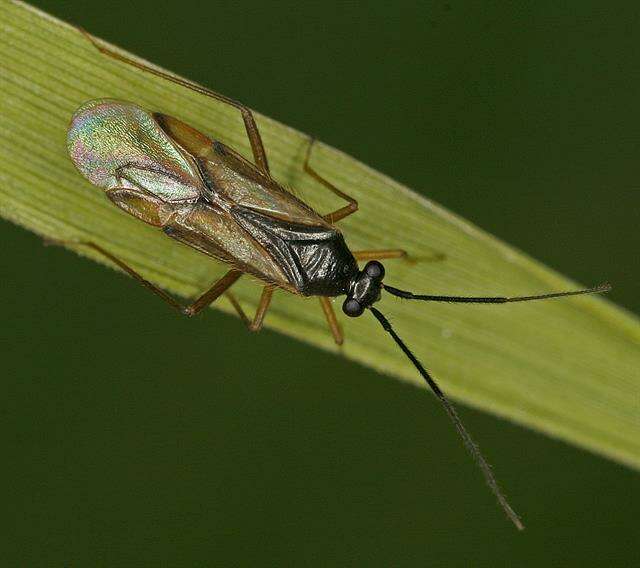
263, 306
256, 323
338, 214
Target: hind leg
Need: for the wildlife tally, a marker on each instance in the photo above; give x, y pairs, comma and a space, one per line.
257, 147
209, 296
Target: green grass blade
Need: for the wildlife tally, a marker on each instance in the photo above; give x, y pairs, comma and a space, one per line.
567, 367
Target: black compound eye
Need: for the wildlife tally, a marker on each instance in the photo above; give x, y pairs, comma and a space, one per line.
352, 308
374, 270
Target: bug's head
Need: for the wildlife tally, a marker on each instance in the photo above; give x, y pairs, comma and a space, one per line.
364, 289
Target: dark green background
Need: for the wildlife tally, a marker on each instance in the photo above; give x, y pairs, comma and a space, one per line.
134, 437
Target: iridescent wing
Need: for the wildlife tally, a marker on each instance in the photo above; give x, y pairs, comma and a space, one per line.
118, 144
121, 148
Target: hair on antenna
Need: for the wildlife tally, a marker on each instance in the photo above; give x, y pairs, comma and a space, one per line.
495, 299
451, 411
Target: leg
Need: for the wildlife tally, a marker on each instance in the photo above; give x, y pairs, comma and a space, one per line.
379, 254
236, 305
207, 298
327, 308
338, 214
253, 133
263, 306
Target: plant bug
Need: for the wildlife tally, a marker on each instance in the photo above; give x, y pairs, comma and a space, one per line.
205, 195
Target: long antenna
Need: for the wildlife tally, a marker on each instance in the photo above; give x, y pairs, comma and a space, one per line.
451, 411
493, 300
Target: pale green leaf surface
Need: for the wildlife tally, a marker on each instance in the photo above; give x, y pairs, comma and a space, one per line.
565, 367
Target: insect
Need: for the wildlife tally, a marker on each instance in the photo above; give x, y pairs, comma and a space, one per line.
204, 194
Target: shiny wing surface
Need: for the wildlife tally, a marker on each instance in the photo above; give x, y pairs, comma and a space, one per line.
121, 148
118, 144
214, 232
231, 176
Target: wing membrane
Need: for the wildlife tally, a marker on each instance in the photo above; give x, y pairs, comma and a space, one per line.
231, 176
108, 138
169, 175
216, 234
